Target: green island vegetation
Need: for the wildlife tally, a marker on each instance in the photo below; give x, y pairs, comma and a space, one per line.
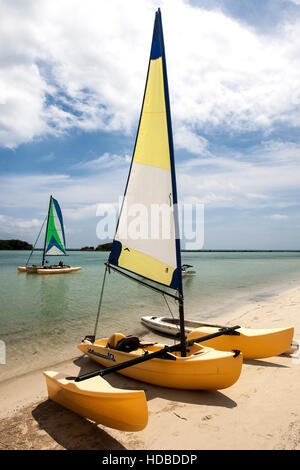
104, 247
14, 245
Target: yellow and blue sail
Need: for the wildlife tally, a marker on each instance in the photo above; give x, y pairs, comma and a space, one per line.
55, 243
152, 183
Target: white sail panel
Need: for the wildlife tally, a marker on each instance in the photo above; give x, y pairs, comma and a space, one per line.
156, 213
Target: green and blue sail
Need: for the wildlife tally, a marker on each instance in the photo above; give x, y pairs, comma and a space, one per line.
55, 242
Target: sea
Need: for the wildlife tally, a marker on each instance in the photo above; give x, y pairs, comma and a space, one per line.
43, 318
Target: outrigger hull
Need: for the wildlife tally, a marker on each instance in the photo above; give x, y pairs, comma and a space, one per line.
22, 269
253, 343
58, 270
98, 401
29, 269
54, 270
203, 369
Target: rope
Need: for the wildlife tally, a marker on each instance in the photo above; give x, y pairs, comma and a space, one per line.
142, 283
36, 241
100, 303
177, 326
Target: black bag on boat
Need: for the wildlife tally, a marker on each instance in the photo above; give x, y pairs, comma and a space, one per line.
128, 344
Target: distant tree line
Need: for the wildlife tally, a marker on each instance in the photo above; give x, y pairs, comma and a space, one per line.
104, 247
14, 245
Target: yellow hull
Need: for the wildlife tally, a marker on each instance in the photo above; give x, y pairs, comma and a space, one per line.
41, 270
22, 269
29, 269
254, 344
203, 369
58, 270
98, 401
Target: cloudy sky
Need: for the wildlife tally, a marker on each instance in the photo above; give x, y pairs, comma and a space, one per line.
72, 78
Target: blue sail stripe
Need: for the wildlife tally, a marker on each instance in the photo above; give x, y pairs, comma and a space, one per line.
53, 243
177, 279
59, 215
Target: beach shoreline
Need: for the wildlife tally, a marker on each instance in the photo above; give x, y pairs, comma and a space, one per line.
260, 411
43, 319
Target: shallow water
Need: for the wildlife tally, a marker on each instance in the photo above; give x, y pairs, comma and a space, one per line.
43, 318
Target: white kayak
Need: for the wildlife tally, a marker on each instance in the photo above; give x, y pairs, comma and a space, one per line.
186, 271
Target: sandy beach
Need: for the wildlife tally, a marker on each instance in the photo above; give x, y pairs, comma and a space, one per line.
260, 411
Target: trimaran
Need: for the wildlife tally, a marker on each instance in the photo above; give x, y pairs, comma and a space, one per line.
54, 244
184, 365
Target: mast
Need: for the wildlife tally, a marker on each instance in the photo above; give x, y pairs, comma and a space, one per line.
175, 201
152, 181
46, 231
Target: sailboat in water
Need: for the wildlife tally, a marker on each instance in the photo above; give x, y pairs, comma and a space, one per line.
54, 244
185, 365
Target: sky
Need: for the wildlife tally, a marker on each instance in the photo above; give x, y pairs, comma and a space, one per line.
72, 77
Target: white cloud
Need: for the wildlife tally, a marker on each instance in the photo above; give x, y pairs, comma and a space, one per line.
278, 216
185, 138
78, 196
83, 64
16, 226
47, 157
217, 181
279, 152
105, 161
81, 212
268, 176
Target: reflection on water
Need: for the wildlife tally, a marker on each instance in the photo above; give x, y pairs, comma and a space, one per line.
43, 318
53, 296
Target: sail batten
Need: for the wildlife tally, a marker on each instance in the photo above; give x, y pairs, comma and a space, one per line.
151, 253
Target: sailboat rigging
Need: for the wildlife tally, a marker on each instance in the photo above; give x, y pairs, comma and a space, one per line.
151, 181
54, 244
155, 263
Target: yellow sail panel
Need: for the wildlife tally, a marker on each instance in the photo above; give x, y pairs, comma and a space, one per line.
145, 266
152, 146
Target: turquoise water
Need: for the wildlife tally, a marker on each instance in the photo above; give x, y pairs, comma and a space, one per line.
43, 318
